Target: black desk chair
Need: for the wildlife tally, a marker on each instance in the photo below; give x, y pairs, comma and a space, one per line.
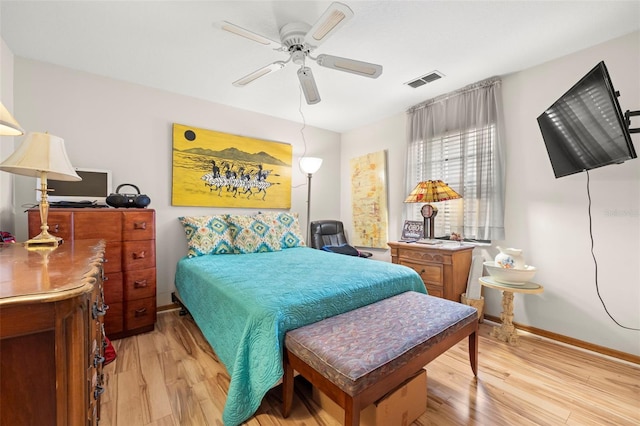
331, 233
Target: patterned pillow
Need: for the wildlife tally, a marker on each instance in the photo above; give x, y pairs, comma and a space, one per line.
254, 234
290, 232
207, 235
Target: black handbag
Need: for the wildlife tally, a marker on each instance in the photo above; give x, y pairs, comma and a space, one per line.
137, 200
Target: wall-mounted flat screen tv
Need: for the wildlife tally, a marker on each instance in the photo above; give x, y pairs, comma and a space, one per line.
585, 128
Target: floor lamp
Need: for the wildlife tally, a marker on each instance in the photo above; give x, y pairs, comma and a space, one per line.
309, 165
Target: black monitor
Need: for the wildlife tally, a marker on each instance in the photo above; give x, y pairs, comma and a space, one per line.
585, 128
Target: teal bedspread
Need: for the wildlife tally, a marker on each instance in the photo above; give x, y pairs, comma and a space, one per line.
245, 303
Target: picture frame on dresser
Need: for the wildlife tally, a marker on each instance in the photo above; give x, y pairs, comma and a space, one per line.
412, 230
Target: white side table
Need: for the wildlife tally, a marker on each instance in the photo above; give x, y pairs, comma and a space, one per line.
507, 331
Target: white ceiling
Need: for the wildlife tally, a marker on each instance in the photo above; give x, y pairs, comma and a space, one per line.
178, 46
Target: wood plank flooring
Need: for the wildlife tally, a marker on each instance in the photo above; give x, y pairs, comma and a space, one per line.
171, 376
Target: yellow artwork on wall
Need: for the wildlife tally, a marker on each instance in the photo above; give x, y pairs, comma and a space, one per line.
215, 169
369, 200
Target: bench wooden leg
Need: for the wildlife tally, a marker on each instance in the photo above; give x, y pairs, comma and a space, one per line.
287, 387
473, 352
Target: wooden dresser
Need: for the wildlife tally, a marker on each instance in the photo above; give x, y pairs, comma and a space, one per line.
130, 260
444, 268
51, 336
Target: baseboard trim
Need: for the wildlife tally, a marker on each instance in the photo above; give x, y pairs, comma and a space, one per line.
571, 341
170, 307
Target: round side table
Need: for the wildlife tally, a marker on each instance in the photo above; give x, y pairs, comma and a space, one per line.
507, 331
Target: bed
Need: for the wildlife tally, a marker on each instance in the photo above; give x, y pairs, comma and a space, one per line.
245, 303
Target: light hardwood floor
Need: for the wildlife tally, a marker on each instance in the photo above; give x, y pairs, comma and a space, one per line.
171, 376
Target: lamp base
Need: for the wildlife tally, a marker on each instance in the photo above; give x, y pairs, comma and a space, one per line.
43, 240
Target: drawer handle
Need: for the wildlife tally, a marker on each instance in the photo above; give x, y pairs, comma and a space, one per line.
140, 312
97, 392
140, 225
139, 255
56, 228
99, 312
105, 279
423, 271
140, 284
97, 360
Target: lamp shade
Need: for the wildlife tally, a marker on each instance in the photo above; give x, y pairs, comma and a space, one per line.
431, 191
8, 125
41, 152
310, 165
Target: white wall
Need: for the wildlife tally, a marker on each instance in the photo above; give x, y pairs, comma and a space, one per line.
7, 217
127, 128
386, 135
548, 218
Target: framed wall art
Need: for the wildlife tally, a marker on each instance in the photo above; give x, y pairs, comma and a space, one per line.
369, 200
215, 169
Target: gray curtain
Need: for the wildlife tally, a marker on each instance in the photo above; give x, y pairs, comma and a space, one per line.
459, 138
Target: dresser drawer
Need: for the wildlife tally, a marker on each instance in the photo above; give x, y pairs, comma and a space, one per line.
105, 226
139, 284
113, 257
113, 321
60, 224
113, 290
437, 291
138, 255
138, 225
431, 273
140, 313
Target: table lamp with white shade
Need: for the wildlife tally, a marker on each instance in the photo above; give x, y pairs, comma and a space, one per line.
8, 125
41, 155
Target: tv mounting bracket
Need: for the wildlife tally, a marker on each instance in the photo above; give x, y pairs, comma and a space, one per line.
627, 118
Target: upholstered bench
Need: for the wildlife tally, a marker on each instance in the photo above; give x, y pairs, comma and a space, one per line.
357, 357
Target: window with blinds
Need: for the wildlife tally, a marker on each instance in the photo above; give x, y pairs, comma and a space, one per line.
464, 160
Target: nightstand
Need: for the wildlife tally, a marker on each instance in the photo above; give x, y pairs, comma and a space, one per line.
444, 267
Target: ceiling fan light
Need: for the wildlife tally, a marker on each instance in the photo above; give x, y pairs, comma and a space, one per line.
308, 84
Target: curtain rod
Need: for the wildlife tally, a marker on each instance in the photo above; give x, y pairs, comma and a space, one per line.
483, 83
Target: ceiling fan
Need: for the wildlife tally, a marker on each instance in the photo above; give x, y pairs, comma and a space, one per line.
299, 39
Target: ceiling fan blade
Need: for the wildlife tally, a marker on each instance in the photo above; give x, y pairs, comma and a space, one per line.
233, 28
336, 15
276, 66
308, 84
364, 69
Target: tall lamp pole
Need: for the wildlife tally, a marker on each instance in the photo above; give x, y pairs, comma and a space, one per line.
309, 165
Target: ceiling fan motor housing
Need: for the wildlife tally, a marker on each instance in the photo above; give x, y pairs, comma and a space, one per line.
292, 36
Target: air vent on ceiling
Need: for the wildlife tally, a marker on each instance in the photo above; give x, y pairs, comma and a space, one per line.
427, 78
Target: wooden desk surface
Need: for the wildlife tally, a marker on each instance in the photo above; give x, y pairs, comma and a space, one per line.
47, 274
